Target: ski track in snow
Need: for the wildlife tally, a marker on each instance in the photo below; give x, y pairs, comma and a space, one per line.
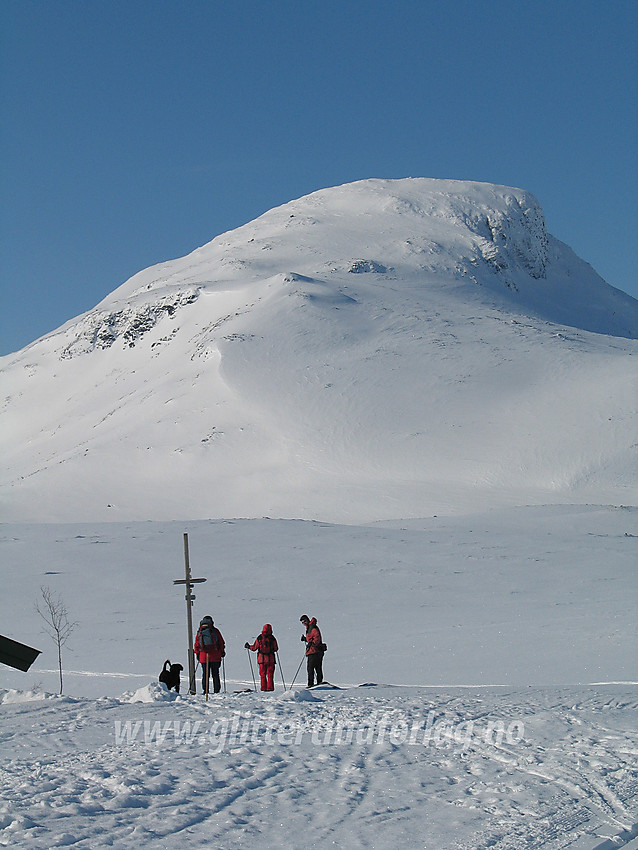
319, 765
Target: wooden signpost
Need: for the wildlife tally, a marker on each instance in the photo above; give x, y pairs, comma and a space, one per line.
189, 582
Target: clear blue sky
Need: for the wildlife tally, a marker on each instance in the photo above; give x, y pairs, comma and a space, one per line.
132, 132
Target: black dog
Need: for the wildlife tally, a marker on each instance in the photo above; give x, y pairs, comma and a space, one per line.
170, 677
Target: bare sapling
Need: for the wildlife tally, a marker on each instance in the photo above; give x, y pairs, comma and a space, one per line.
56, 617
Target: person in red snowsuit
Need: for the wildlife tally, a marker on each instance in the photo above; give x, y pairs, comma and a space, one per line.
210, 646
314, 649
266, 646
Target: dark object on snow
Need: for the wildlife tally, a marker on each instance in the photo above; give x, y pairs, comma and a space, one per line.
170, 677
17, 655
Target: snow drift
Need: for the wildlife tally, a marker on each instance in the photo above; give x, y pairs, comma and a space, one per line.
388, 348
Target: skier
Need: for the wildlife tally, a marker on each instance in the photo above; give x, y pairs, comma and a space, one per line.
314, 649
266, 646
210, 649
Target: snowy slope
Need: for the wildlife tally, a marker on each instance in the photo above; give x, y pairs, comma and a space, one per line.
381, 349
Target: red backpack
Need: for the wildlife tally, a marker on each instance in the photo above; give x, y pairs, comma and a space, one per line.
266, 644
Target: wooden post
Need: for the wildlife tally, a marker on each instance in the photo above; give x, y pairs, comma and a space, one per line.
189, 617
189, 582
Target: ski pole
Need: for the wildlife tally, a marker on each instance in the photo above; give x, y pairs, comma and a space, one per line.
207, 679
297, 673
224, 673
250, 661
281, 671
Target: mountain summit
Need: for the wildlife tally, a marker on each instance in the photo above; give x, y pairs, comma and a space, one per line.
383, 349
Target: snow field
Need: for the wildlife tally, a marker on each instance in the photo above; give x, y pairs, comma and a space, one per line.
370, 767
537, 600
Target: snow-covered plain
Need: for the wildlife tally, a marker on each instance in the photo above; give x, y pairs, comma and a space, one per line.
498, 654
434, 402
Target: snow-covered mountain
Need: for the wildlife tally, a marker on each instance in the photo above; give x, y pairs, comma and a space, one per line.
382, 350
387, 348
